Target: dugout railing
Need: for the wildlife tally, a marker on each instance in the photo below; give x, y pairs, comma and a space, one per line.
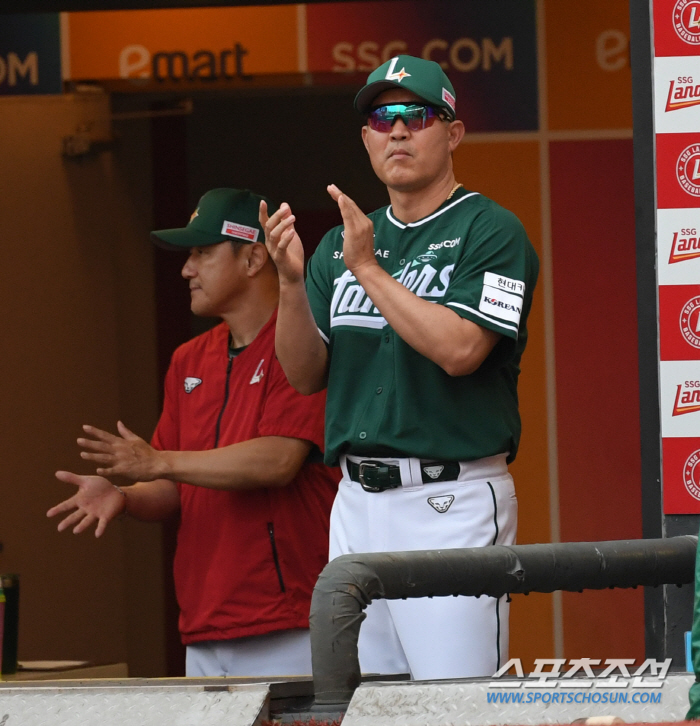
349, 583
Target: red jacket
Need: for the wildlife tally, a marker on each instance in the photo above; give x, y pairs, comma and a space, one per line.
246, 561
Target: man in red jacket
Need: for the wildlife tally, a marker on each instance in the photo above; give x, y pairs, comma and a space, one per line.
237, 452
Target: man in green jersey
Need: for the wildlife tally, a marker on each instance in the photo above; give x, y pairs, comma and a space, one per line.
414, 317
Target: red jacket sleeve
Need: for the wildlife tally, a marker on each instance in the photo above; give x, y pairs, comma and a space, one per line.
288, 413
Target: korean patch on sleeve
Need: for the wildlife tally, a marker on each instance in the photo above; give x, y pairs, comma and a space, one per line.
493, 281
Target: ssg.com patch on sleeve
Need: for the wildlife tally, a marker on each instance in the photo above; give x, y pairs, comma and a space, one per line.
502, 297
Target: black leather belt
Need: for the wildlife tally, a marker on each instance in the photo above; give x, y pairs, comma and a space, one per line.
375, 476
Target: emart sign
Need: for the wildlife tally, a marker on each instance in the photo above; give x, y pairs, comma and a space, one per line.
190, 44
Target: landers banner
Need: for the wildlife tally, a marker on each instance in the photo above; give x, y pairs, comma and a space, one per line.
677, 120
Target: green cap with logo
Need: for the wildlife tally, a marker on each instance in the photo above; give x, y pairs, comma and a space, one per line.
425, 78
221, 215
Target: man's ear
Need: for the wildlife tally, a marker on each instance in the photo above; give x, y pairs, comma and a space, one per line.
256, 258
364, 137
455, 134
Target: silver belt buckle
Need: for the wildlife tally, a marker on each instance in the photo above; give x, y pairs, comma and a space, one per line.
361, 476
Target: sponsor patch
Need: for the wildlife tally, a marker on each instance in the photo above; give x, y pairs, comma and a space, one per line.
441, 504
500, 304
446, 243
191, 383
447, 97
507, 284
240, 231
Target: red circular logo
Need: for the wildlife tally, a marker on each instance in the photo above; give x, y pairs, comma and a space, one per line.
686, 20
691, 474
688, 169
690, 321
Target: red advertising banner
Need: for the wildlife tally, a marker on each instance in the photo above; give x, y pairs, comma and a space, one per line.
678, 170
676, 27
679, 322
676, 33
681, 472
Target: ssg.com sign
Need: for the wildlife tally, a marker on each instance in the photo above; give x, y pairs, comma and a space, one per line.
30, 54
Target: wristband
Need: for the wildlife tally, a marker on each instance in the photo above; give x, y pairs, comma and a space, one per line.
124, 511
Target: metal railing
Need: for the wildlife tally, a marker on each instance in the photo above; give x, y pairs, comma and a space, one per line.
349, 583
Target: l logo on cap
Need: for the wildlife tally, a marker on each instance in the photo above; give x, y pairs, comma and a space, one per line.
399, 75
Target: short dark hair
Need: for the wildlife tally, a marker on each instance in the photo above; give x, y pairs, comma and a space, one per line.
237, 244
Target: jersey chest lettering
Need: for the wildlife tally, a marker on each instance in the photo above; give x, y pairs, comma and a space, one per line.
351, 305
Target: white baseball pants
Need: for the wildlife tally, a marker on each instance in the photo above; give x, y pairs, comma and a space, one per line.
281, 653
441, 637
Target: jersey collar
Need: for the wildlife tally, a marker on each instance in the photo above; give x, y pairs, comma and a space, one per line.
430, 217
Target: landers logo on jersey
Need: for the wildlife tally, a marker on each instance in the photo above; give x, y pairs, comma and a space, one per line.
688, 169
686, 20
351, 305
684, 246
690, 321
691, 474
682, 95
687, 398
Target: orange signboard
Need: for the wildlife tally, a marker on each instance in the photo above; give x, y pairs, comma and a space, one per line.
588, 70
189, 44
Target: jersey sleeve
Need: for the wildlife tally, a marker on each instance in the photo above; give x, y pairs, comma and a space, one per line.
319, 287
493, 281
287, 413
166, 436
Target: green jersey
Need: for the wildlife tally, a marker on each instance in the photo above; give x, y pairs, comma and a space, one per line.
384, 398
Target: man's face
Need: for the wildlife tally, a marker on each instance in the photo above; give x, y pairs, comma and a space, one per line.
217, 278
410, 160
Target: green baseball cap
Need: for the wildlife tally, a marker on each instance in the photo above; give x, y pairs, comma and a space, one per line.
425, 78
222, 214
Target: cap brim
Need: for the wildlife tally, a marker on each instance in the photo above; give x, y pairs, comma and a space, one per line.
364, 99
183, 238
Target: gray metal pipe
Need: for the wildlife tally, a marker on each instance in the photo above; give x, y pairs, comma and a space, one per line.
349, 583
